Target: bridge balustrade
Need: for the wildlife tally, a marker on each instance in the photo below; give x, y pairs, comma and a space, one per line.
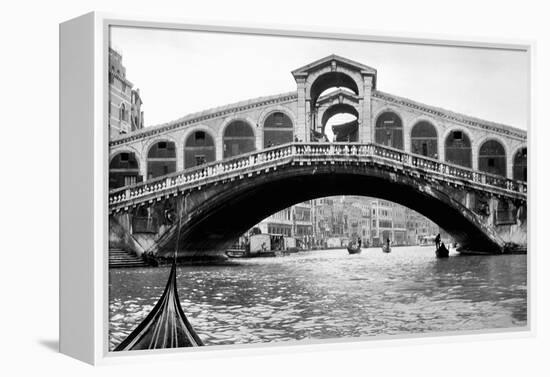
280, 154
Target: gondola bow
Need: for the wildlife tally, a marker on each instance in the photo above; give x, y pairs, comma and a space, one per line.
165, 327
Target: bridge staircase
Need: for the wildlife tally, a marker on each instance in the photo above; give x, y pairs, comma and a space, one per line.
119, 258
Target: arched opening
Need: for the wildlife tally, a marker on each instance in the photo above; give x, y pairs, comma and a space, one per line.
492, 158
324, 85
340, 123
329, 81
520, 165
124, 170
389, 130
238, 138
458, 149
199, 149
278, 129
424, 139
161, 159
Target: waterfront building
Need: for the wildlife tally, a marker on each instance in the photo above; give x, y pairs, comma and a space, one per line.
125, 114
382, 221
295, 221
278, 223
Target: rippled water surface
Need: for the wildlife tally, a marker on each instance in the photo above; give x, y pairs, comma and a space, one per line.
330, 294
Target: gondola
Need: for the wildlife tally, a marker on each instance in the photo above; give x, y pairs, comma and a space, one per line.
166, 326
354, 248
386, 248
442, 251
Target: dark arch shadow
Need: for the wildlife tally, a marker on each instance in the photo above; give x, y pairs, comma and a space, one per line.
217, 215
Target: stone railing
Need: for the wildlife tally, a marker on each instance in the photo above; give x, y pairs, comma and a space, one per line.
287, 153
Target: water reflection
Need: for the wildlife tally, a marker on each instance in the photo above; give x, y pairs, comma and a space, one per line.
330, 294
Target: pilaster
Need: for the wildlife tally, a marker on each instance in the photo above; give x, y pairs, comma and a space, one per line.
366, 132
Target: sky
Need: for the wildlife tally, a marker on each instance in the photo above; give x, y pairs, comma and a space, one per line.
181, 72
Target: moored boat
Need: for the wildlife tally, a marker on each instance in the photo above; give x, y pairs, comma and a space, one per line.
442, 251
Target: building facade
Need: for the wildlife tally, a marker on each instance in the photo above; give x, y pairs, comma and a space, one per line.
125, 114
296, 221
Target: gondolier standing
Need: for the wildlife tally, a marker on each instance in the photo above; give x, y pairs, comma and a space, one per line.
438, 240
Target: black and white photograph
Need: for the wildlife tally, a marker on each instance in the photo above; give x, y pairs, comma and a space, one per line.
267, 189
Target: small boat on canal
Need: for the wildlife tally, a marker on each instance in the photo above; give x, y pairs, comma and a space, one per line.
354, 247
386, 248
442, 251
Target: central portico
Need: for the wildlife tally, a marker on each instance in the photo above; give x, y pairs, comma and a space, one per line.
351, 84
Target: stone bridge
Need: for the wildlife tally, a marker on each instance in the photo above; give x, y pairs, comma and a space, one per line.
225, 169
219, 201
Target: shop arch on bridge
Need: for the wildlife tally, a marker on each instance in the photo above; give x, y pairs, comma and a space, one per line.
124, 170
161, 158
389, 130
458, 148
492, 157
199, 148
424, 139
238, 138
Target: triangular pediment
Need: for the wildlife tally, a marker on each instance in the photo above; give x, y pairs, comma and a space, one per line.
328, 60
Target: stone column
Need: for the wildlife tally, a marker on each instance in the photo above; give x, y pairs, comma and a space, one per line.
475, 154
301, 124
366, 133
142, 157
441, 145
406, 132
219, 147
180, 154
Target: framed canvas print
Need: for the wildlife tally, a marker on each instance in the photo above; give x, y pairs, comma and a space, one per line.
243, 188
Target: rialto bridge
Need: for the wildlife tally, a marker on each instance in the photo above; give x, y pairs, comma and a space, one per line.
226, 168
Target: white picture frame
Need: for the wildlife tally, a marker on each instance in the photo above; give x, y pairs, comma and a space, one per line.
84, 229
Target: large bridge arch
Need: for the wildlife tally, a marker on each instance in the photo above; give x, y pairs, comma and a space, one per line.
217, 215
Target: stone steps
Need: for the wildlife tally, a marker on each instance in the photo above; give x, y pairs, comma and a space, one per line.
121, 259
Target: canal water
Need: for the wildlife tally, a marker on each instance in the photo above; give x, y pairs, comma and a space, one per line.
330, 294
